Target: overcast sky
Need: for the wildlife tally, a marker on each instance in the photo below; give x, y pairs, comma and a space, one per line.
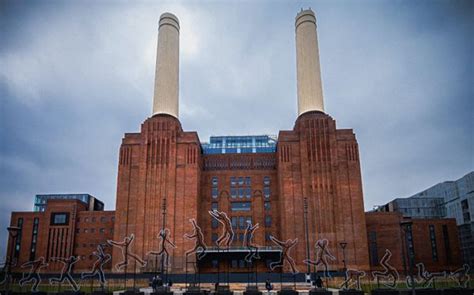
75, 76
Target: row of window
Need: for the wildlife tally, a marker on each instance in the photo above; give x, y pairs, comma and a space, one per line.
239, 263
94, 219
240, 187
85, 245
93, 230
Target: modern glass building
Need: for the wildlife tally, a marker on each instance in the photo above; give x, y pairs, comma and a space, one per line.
93, 204
240, 144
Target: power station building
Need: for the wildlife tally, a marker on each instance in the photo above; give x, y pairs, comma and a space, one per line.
304, 184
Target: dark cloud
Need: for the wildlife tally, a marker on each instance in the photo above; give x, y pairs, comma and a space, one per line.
75, 77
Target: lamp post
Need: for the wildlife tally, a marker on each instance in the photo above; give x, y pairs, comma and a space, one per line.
13, 233
343, 247
163, 226
306, 233
406, 225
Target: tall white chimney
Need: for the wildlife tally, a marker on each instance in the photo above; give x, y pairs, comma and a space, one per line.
165, 99
310, 91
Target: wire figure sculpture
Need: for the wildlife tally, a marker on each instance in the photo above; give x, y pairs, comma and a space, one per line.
353, 277
227, 235
126, 253
97, 268
323, 256
66, 271
285, 254
199, 244
163, 252
7, 265
425, 278
248, 242
34, 273
389, 273
461, 276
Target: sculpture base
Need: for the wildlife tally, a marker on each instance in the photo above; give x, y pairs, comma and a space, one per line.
458, 291
319, 291
385, 292
351, 292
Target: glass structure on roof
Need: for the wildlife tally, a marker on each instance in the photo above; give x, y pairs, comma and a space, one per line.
240, 144
92, 203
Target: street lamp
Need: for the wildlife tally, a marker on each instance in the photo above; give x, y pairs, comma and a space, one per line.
343, 247
406, 226
305, 214
13, 233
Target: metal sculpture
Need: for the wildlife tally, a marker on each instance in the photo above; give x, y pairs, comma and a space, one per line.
97, 268
248, 242
353, 277
425, 278
126, 253
199, 244
66, 271
389, 273
163, 252
285, 254
461, 276
228, 233
34, 273
323, 256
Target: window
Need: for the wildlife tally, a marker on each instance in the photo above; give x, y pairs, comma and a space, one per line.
214, 206
59, 218
86, 230
241, 263
374, 259
234, 221
103, 219
214, 223
233, 192
241, 192
267, 206
241, 181
266, 192
248, 219
112, 218
241, 237
93, 219
242, 222
266, 181
215, 263
214, 237
447, 246
240, 206
248, 182
248, 192
92, 230
434, 249
214, 189
18, 237
102, 230
232, 181
234, 263
86, 219
268, 221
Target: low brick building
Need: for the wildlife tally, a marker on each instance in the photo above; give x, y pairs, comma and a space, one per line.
433, 242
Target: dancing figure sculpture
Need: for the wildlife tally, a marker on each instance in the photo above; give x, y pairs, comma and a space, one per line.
425, 278
285, 254
227, 233
97, 268
353, 277
199, 244
323, 256
34, 273
461, 276
248, 242
126, 253
66, 271
163, 252
389, 273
